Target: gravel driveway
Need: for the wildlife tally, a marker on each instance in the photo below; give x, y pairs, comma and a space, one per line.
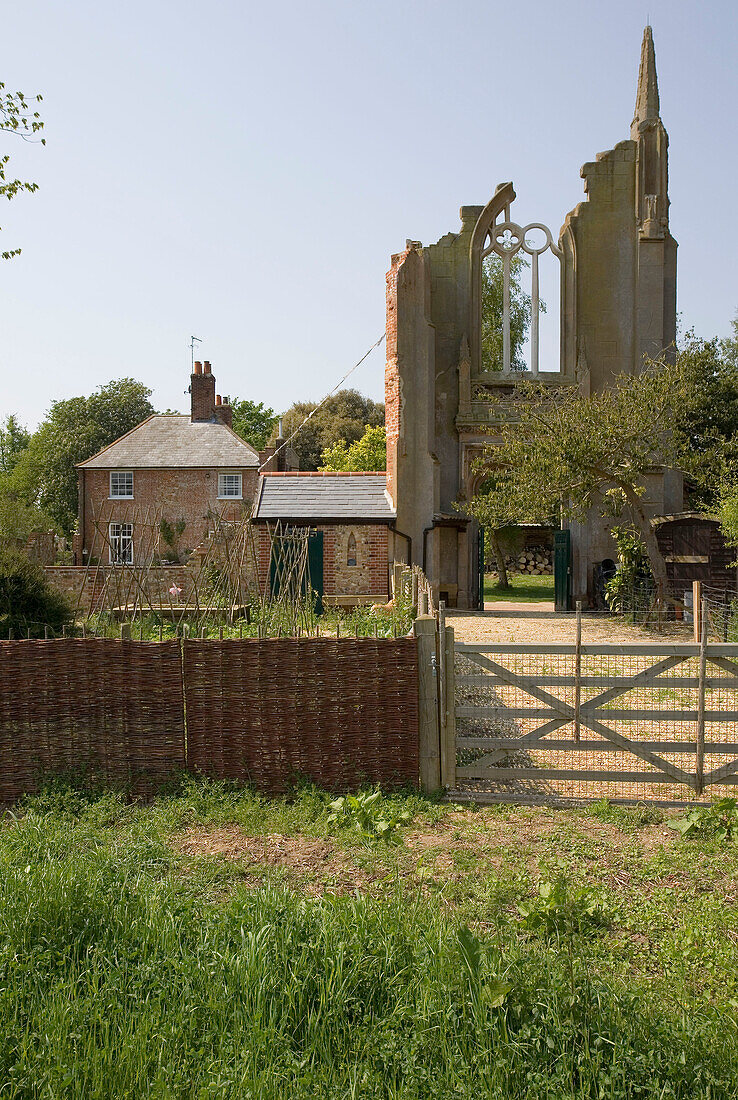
537, 623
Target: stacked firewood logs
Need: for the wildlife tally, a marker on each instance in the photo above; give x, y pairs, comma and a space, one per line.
536, 560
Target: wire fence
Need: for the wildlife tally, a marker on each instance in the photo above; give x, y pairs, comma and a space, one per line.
721, 610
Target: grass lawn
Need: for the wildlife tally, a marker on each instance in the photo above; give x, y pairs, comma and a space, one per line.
526, 588
218, 944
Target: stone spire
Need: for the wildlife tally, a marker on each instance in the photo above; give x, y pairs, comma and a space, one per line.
652, 168
647, 96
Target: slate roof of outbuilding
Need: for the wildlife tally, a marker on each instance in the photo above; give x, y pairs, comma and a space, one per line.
326, 496
172, 440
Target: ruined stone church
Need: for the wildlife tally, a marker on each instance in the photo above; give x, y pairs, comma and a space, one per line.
618, 307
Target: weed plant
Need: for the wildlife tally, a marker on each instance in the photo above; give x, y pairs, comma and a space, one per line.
719, 820
380, 621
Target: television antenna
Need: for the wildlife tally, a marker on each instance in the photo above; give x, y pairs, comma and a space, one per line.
193, 340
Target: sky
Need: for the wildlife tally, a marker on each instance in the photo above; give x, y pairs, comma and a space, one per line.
243, 172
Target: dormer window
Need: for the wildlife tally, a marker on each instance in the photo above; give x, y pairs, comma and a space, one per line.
229, 487
121, 484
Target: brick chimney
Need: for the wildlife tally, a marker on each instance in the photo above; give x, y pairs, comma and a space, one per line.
223, 411
202, 389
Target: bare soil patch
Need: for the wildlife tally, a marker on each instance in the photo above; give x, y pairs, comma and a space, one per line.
315, 864
481, 843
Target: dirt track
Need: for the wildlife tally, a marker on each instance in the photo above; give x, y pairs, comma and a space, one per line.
545, 626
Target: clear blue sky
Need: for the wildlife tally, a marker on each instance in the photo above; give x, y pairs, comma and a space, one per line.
243, 172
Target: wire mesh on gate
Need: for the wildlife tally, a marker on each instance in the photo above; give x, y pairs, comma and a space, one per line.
721, 609
518, 737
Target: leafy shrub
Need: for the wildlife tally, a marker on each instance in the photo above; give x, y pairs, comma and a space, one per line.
632, 587
719, 820
366, 814
559, 911
27, 600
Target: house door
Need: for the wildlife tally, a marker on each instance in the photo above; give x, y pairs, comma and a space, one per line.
480, 569
315, 568
562, 570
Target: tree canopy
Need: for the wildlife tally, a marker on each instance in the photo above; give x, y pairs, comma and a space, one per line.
19, 117
344, 416
74, 429
710, 417
14, 439
367, 453
253, 421
565, 450
491, 313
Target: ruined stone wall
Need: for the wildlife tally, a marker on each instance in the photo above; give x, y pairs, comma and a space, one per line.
410, 389
599, 328
392, 381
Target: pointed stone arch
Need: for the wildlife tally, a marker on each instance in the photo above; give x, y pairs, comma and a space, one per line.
500, 203
351, 552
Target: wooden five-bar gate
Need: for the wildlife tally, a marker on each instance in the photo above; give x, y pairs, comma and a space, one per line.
533, 723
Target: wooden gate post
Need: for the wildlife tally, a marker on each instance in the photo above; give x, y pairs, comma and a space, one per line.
424, 629
696, 611
448, 719
397, 568
700, 756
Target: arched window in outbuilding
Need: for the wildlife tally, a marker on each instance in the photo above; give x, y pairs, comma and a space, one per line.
351, 550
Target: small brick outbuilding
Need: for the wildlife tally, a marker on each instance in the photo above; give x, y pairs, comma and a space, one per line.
351, 518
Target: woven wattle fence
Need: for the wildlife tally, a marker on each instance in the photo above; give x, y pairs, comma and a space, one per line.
113, 709
336, 711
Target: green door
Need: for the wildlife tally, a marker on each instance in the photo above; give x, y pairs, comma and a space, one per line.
279, 567
562, 570
315, 568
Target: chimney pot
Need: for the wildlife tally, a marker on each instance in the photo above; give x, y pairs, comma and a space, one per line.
198, 367
218, 399
206, 366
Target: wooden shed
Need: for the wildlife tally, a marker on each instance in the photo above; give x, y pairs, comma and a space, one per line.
694, 549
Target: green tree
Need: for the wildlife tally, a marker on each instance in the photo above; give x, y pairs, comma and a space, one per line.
14, 439
709, 425
730, 344
75, 429
27, 600
253, 422
567, 450
17, 518
344, 416
491, 313
367, 453
17, 116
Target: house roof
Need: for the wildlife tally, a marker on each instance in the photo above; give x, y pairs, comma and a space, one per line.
173, 440
324, 496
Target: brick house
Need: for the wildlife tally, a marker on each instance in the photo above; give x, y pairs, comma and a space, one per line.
351, 519
174, 471
172, 468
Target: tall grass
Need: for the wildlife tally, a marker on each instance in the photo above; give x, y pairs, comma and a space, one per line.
117, 979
